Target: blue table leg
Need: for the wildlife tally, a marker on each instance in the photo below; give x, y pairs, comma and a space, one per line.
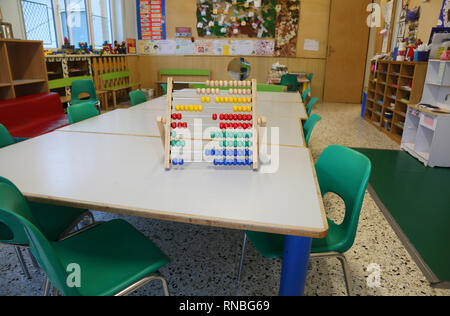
295, 265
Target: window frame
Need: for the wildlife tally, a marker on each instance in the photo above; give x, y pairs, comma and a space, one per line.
59, 27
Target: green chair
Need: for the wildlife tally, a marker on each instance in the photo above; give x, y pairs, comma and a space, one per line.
84, 86
164, 86
308, 127
5, 137
55, 221
270, 88
137, 97
310, 77
311, 104
291, 82
81, 112
346, 173
111, 258
306, 95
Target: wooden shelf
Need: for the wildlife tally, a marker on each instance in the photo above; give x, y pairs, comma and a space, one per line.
398, 75
27, 81
22, 63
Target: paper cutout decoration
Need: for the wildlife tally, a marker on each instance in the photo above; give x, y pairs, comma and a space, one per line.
288, 17
204, 47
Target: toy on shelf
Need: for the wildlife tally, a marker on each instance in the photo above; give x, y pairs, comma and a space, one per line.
220, 122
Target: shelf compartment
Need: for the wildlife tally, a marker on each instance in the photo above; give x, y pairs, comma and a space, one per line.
27, 81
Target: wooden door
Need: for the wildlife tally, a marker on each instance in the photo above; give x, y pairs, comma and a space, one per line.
348, 38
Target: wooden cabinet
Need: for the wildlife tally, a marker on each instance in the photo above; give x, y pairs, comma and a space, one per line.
392, 86
23, 68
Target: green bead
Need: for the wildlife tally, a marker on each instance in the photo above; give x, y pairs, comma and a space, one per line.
174, 134
213, 135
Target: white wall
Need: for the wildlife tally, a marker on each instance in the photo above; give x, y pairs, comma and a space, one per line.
11, 10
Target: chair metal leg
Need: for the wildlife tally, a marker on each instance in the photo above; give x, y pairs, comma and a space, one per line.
345, 267
244, 242
46, 287
347, 273
144, 281
33, 259
22, 262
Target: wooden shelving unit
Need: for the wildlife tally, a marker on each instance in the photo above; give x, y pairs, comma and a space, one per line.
23, 69
392, 86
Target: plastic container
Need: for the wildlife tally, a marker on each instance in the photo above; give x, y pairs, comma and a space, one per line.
387, 124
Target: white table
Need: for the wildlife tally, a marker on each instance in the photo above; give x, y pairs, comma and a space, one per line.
143, 123
269, 103
125, 174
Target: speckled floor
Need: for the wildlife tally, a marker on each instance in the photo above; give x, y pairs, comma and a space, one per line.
205, 259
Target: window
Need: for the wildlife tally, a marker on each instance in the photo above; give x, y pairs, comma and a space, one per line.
77, 20
39, 21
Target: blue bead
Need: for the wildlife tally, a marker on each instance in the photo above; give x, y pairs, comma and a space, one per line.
224, 153
175, 162
235, 162
207, 152
181, 162
216, 162
250, 153
235, 152
213, 152
250, 162
247, 153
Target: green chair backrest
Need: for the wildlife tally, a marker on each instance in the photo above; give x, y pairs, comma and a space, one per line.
291, 82
311, 104
164, 86
184, 72
305, 94
14, 209
81, 112
83, 86
345, 172
270, 88
137, 97
309, 127
115, 75
5, 137
310, 77
11, 230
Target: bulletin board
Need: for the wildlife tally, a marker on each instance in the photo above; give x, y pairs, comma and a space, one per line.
312, 15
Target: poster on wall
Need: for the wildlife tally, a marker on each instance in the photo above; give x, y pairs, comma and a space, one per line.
204, 47
225, 47
245, 48
151, 19
264, 48
286, 29
162, 47
184, 47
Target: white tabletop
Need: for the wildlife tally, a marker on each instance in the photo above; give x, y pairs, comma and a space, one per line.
269, 103
143, 123
125, 174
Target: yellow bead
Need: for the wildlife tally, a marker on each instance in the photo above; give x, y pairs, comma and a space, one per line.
226, 99
191, 108
200, 108
217, 99
249, 108
196, 108
235, 108
249, 100
235, 100
203, 99
181, 107
177, 107
222, 100
208, 99
240, 109
239, 100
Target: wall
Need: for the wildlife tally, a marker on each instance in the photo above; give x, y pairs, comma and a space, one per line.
428, 17
11, 10
314, 20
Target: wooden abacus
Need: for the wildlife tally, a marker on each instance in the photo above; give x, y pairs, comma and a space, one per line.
238, 92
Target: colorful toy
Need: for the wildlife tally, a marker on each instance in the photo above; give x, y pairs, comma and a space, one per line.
228, 123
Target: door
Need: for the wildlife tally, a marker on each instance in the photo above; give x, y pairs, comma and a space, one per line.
348, 38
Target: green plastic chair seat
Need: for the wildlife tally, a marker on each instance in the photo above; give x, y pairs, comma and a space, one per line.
83, 86
339, 170
311, 105
291, 82
137, 97
53, 220
81, 112
112, 256
308, 127
5, 137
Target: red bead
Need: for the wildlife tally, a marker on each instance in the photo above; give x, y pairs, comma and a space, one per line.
174, 116
222, 126
180, 116
180, 125
174, 125
214, 117
250, 117
226, 117
235, 125
222, 117
185, 125
240, 117
235, 117
229, 125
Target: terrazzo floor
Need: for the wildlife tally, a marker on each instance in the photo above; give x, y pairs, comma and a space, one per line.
205, 259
